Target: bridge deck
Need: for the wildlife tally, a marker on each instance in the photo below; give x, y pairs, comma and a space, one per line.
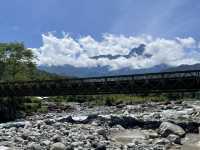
180, 81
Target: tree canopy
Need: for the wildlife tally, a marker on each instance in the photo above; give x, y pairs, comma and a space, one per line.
17, 63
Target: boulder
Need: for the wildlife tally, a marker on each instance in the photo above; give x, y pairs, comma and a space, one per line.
167, 128
65, 119
189, 126
80, 119
34, 146
25, 134
101, 147
152, 135
4, 148
45, 143
174, 138
18, 140
56, 138
125, 121
102, 132
58, 146
50, 121
162, 141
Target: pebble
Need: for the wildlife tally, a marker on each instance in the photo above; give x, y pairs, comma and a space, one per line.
61, 131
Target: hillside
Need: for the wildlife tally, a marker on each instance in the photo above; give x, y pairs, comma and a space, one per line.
67, 70
70, 70
183, 68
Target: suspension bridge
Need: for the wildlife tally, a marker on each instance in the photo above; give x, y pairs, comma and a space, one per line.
180, 81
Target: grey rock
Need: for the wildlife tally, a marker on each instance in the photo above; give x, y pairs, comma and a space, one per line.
174, 138
167, 128
34, 146
80, 118
153, 135
50, 121
4, 148
58, 146
56, 138
65, 119
18, 140
101, 147
69, 147
25, 134
63, 131
162, 141
46, 143
102, 132
131, 145
4, 138
75, 144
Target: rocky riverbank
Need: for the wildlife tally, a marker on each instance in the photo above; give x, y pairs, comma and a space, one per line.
150, 126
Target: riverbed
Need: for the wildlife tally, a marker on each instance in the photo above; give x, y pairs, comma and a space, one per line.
150, 126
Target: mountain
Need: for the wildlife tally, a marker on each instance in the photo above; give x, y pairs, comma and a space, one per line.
103, 71
183, 68
133, 52
68, 70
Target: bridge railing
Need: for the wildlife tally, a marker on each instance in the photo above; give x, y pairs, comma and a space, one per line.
161, 75
165, 81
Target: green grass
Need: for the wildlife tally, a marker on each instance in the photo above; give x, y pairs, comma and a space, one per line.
31, 107
109, 99
33, 104
43, 109
126, 99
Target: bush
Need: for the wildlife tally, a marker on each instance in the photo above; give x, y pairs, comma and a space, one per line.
31, 107
109, 101
9, 108
43, 109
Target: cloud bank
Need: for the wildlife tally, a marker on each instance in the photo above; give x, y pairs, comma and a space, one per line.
79, 52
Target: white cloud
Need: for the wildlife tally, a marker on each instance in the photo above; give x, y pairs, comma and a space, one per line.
187, 42
78, 52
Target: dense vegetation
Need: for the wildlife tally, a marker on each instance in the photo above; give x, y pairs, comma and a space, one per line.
108, 100
18, 63
124, 98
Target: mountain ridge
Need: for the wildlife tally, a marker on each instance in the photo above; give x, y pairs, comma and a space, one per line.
133, 52
183, 68
67, 70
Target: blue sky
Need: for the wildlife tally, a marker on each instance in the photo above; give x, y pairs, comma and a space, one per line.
168, 28
27, 20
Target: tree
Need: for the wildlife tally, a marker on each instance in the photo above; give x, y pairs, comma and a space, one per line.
16, 62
